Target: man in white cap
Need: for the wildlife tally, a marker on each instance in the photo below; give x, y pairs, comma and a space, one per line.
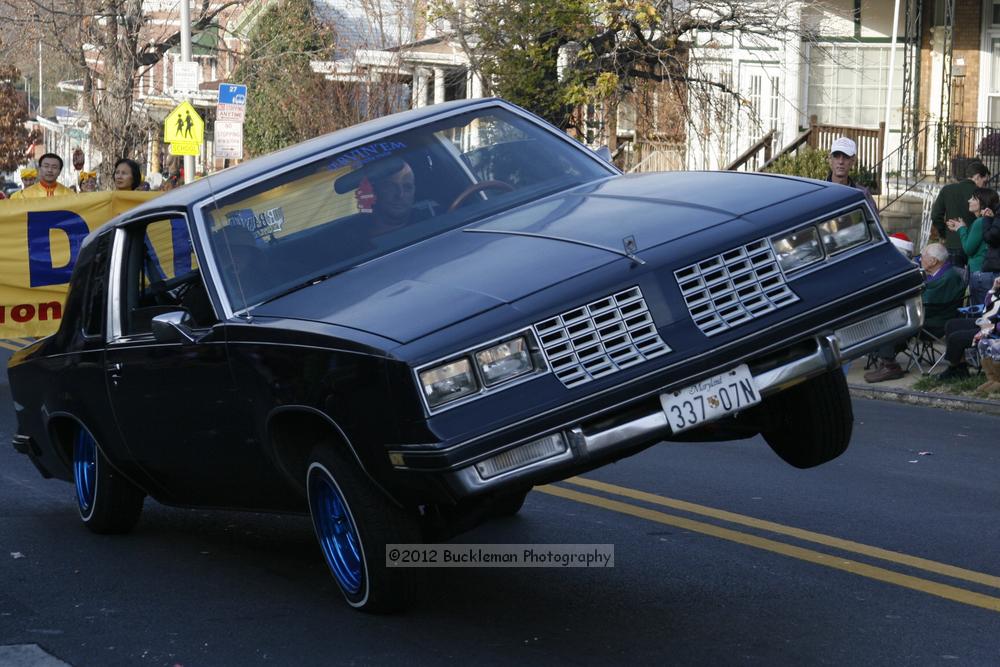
843, 155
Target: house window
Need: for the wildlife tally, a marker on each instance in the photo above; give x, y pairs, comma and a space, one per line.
847, 84
993, 94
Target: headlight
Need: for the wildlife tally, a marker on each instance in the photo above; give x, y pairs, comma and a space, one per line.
504, 361
448, 382
844, 231
798, 249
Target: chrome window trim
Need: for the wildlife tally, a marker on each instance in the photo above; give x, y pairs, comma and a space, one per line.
114, 328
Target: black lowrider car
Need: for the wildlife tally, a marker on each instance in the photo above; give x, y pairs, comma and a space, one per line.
403, 326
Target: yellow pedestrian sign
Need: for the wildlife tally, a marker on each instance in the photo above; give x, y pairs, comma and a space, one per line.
184, 126
184, 148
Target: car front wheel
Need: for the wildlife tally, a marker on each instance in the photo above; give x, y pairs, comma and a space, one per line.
810, 423
108, 502
354, 522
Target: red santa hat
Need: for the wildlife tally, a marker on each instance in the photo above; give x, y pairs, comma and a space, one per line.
902, 242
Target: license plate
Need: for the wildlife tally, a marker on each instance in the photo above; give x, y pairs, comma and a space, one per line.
710, 399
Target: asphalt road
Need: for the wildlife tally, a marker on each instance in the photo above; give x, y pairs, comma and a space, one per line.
723, 555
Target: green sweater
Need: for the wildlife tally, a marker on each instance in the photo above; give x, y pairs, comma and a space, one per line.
952, 202
972, 243
941, 297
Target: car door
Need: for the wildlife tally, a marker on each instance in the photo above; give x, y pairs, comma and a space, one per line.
174, 402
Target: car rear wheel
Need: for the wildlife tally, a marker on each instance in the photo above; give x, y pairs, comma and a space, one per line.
108, 503
810, 423
354, 521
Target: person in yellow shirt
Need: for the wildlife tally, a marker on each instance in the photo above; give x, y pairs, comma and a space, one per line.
49, 167
29, 176
87, 181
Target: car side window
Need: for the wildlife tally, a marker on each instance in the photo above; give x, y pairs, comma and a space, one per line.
96, 296
159, 275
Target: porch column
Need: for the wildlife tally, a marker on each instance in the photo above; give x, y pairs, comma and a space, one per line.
419, 87
438, 85
794, 53
473, 85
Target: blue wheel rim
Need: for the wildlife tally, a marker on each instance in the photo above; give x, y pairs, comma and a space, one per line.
85, 469
337, 534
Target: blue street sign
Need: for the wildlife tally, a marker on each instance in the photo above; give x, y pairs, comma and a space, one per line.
232, 93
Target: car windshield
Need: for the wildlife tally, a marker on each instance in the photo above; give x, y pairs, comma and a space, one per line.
383, 194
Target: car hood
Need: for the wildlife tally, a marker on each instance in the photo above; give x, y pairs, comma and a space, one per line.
453, 276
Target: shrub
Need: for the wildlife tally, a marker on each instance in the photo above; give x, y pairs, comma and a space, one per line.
990, 145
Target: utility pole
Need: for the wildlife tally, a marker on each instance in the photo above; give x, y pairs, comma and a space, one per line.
186, 57
40, 106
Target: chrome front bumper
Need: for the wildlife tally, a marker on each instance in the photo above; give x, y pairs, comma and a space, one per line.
532, 459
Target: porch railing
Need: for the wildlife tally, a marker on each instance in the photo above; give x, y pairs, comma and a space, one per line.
751, 159
940, 152
820, 136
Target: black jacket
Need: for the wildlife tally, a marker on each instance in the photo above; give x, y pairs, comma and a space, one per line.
991, 237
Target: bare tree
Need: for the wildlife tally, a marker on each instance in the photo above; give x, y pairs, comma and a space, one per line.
557, 58
13, 134
112, 44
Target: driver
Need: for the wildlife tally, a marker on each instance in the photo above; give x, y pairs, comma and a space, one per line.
394, 190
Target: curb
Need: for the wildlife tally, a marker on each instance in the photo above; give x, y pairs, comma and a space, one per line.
945, 401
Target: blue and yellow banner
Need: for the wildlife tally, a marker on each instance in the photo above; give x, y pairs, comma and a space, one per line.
40, 240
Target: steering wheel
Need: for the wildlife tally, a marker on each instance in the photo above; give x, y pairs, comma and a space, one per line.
169, 292
478, 187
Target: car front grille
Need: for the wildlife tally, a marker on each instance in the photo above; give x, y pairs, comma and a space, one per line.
600, 338
734, 287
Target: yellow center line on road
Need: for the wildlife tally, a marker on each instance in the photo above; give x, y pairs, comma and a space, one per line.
798, 533
870, 571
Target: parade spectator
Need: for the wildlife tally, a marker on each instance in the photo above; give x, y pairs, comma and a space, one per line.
991, 239
903, 244
961, 333
944, 290
843, 156
127, 175
174, 176
982, 204
87, 181
29, 176
49, 167
951, 202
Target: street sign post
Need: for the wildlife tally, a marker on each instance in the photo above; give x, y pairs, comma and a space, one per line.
232, 102
232, 93
229, 114
185, 77
228, 140
184, 130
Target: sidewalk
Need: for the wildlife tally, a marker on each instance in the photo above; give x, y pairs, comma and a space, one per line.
902, 391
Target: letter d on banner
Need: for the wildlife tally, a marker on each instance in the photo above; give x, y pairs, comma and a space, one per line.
40, 267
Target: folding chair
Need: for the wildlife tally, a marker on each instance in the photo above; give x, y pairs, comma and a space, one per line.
922, 350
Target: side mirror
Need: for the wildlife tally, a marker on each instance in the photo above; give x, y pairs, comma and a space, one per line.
173, 327
604, 153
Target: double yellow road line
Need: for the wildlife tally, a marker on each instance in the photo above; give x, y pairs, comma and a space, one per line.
820, 558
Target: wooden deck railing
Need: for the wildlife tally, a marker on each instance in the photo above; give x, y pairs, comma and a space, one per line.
820, 136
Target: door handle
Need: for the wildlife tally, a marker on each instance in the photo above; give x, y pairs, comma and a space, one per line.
114, 372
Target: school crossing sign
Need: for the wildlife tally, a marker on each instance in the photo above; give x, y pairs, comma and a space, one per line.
184, 130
